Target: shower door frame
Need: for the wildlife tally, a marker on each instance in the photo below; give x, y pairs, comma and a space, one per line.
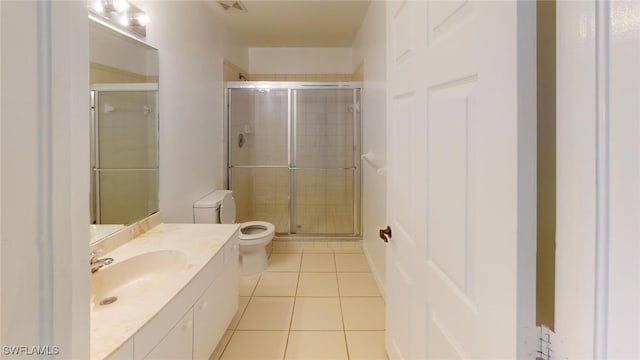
291, 87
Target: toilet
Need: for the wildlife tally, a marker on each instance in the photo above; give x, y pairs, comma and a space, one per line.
219, 207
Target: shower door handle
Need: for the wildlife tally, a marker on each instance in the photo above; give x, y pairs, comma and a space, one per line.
384, 233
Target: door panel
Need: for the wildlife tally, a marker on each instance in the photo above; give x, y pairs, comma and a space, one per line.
449, 109
461, 202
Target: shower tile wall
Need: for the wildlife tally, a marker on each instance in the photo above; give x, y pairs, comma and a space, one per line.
269, 129
324, 129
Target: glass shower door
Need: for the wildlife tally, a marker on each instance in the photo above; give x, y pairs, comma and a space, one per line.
324, 172
294, 154
258, 155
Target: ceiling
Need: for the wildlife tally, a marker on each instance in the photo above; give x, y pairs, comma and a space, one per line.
295, 23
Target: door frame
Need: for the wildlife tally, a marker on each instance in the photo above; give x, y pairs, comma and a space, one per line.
598, 177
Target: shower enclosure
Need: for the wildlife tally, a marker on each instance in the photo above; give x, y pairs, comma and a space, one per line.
124, 152
293, 155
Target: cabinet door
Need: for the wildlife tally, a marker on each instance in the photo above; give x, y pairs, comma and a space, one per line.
178, 342
124, 353
215, 309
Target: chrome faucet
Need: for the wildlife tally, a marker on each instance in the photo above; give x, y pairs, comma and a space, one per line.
96, 264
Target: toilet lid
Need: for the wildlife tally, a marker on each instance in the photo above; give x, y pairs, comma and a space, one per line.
228, 209
269, 228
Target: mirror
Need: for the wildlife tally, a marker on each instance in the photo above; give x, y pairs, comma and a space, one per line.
123, 83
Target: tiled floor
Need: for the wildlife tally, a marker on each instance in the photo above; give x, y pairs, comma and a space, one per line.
313, 302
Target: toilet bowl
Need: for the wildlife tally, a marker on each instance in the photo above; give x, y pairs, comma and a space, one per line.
219, 207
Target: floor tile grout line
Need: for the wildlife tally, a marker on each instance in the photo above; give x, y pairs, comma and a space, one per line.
233, 332
344, 327
255, 286
295, 299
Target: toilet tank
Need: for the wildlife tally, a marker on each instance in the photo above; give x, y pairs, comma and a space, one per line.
207, 209
218, 207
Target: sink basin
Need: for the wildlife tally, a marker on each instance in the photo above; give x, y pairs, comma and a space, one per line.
136, 276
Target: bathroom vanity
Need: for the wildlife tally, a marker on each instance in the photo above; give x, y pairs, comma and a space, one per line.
171, 290
169, 293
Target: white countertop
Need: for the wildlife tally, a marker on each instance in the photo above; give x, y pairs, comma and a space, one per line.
112, 325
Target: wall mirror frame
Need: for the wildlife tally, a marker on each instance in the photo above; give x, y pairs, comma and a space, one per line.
124, 163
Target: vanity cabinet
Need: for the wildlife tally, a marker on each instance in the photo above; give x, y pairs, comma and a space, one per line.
177, 344
192, 323
214, 311
124, 353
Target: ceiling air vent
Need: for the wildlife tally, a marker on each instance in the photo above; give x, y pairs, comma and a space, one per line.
232, 6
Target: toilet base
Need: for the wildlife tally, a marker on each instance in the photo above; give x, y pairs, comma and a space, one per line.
254, 261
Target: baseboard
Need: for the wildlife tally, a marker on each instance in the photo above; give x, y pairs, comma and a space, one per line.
374, 271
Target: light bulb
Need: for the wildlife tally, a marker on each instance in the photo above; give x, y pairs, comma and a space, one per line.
124, 20
141, 19
120, 5
97, 6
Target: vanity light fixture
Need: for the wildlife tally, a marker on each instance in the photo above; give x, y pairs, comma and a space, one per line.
141, 19
107, 6
96, 6
123, 20
120, 14
116, 5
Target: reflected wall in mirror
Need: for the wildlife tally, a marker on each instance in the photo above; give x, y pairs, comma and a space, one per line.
123, 83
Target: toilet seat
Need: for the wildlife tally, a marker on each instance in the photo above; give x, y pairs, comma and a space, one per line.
265, 227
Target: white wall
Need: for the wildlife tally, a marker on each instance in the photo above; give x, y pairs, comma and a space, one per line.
624, 182
120, 52
191, 46
370, 46
45, 182
300, 61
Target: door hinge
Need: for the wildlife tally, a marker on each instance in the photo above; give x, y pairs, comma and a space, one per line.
544, 344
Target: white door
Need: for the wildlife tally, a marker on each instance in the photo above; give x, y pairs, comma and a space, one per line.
461, 181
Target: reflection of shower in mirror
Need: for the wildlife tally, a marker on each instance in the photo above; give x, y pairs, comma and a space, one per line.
109, 108
124, 149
